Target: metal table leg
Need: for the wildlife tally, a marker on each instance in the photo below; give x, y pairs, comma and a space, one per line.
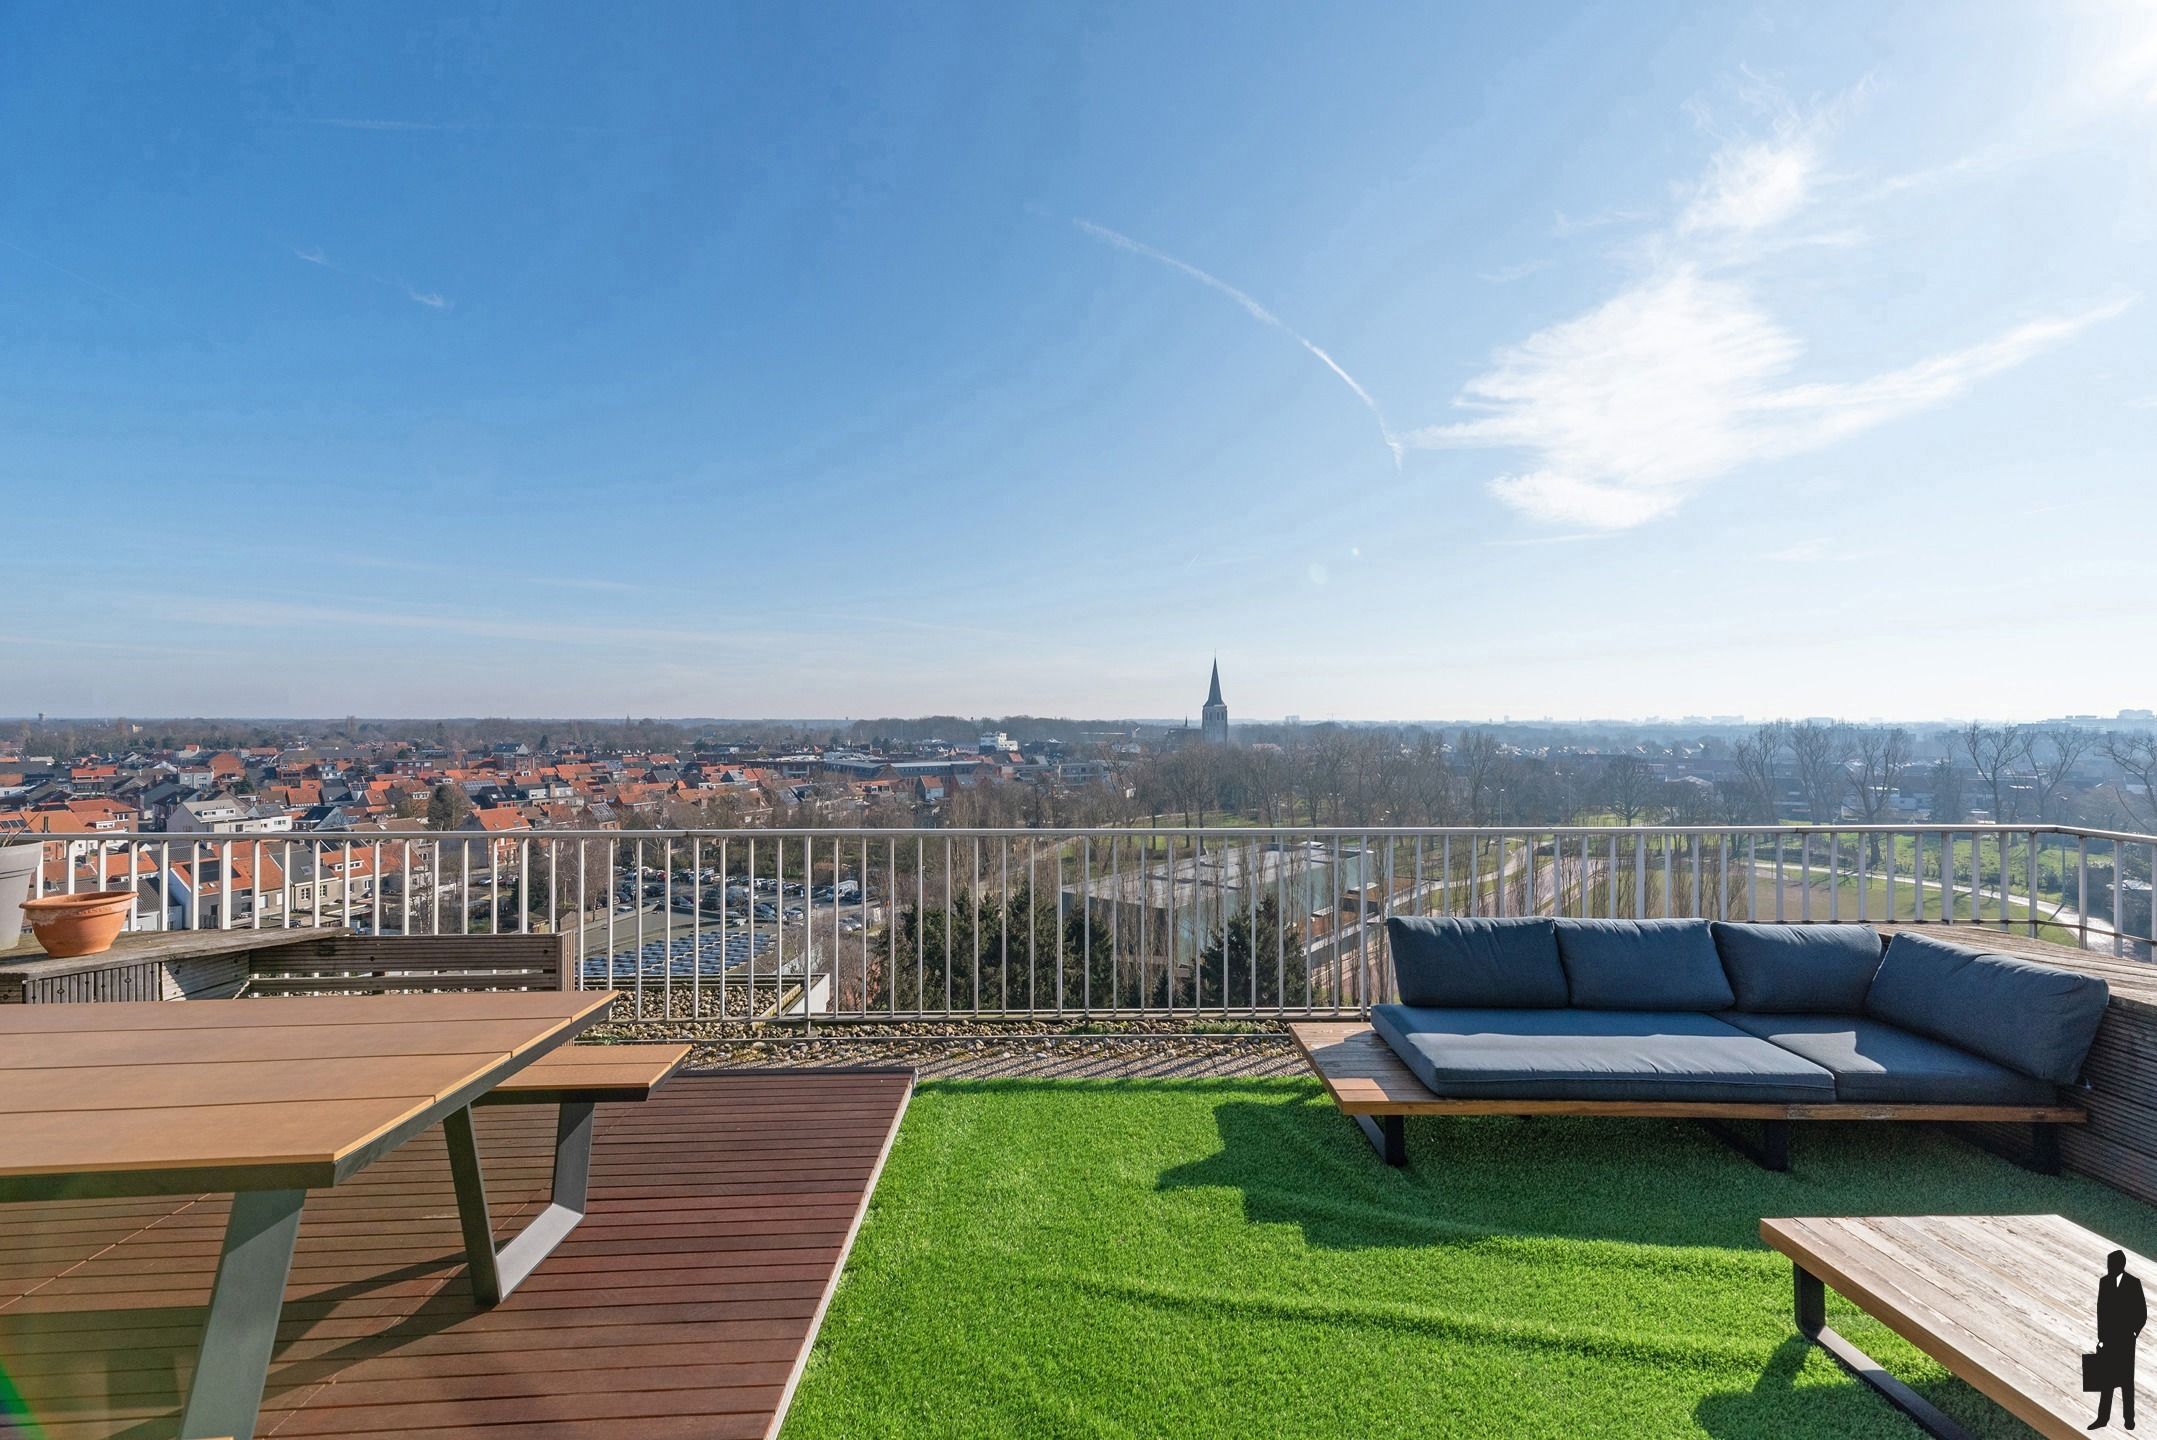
246, 1302
498, 1271
1811, 1305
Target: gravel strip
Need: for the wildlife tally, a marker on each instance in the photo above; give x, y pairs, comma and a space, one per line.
1091, 1058
1044, 1048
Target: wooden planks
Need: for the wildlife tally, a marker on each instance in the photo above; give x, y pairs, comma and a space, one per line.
2006, 1302
685, 1304
363, 965
270, 1095
340, 1011
2133, 982
591, 1072
168, 965
1364, 1077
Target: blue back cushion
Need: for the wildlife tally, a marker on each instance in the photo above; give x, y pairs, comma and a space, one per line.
1476, 964
1799, 969
1642, 965
2038, 1019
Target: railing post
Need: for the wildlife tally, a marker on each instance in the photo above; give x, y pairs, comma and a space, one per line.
2030, 913
2082, 892
2119, 898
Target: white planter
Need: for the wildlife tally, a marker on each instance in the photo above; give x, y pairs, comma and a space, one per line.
18, 864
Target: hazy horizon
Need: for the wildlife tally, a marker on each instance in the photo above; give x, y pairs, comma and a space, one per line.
817, 722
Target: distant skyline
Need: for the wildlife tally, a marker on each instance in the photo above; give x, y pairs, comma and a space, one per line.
1778, 359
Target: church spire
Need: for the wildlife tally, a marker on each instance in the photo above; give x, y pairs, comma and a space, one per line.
1213, 719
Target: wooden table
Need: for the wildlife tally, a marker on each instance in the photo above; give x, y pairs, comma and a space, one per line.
269, 1099
2008, 1303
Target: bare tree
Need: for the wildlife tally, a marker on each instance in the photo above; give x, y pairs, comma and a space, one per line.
1430, 782
1948, 802
1628, 787
1821, 754
1993, 751
2065, 746
1186, 779
1267, 781
1756, 759
2136, 755
1366, 773
1881, 753
1481, 766
1328, 769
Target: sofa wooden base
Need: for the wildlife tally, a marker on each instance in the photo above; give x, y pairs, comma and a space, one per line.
1372, 1087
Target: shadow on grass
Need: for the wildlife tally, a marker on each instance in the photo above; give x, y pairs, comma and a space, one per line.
1489, 1180
1777, 1405
1298, 1161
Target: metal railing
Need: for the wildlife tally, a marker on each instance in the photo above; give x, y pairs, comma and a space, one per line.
1145, 921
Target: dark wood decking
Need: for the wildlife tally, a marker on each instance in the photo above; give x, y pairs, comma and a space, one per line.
684, 1305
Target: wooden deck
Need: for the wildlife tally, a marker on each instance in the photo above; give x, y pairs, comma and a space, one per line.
2133, 982
684, 1305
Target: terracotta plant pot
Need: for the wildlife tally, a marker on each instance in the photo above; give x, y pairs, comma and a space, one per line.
80, 924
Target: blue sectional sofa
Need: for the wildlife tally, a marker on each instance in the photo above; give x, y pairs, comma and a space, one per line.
1729, 1022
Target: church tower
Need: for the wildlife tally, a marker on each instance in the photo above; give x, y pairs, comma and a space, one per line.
1213, 719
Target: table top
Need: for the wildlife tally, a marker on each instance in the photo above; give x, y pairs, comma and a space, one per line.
2007, 1302
177, 1096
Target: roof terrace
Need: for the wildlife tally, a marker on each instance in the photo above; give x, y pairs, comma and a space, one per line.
1151, 1252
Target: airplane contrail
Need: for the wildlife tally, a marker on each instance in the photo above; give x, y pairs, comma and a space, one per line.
1257, 312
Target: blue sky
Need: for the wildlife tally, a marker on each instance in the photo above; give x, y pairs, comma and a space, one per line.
1422, 362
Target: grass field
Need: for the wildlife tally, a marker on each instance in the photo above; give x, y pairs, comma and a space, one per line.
1227, 1258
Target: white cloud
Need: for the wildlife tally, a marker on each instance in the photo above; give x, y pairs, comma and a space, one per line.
1629, 409
1625, 411
432, 299
2123, 55
1751, 186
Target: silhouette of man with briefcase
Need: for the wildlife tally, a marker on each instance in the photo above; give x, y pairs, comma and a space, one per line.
2120, 1317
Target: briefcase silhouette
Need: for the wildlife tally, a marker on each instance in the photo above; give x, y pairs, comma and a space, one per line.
2100, 1371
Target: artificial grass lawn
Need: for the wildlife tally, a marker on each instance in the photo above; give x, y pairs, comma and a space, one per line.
1229, 1258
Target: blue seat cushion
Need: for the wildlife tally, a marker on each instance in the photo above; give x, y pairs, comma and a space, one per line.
2038, 1019
1818, 969
1444, 961
1643, 965
1882, 1064
1594, 1055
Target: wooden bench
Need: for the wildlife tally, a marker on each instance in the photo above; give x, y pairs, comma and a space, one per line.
343, 964
1373, 1088
588, 1074
2008, 1303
